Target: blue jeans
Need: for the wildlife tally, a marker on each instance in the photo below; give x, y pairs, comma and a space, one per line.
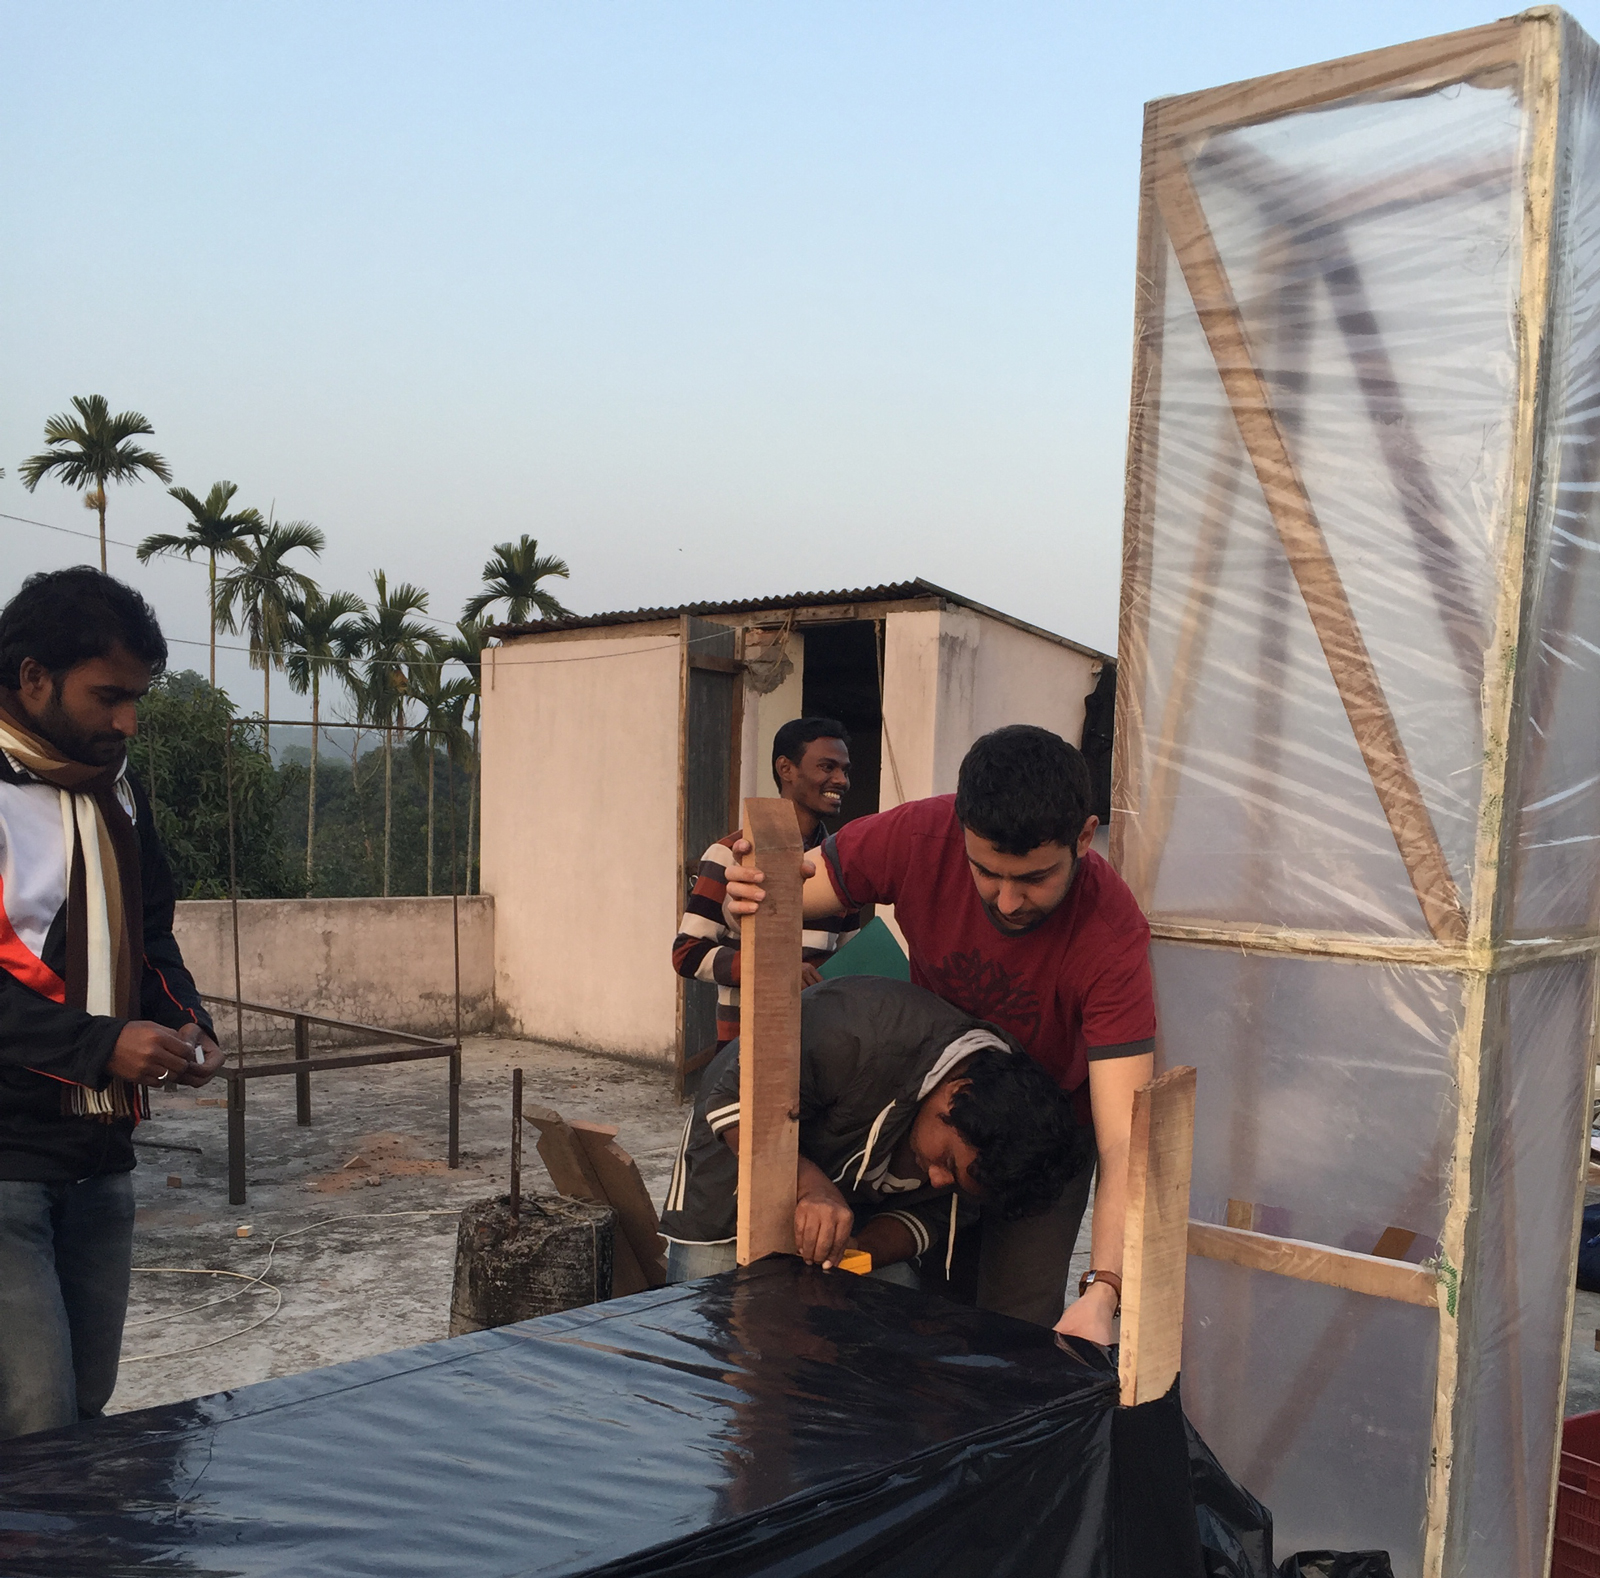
690, 1262
65, 1255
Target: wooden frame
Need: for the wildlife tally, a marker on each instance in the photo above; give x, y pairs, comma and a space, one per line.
1533, 56
1154, 1242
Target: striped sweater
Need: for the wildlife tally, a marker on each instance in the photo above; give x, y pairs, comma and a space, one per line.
707, 945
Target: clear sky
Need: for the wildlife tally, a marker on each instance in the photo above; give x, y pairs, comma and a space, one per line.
714, 299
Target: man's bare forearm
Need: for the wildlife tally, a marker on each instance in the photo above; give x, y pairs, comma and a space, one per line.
1112, 1083
818, 898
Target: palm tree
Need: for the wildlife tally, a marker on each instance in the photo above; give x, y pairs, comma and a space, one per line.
321, 635
258, 596
443, 704
392, 640
512, 577
467, 649
100, 453
361, 696
212, 531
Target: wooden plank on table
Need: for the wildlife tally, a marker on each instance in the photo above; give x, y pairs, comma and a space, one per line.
769, 1036
1155, 1236
1321, 587
618, 1175
1333, 1268
574, 1175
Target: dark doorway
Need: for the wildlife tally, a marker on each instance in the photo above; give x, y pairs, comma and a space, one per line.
841, 681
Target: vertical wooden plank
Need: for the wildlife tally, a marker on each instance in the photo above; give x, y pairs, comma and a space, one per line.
1480, 1047
1139, 491
769, 1037
1156, 1236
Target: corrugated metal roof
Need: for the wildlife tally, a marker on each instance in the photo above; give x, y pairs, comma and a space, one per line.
895, 592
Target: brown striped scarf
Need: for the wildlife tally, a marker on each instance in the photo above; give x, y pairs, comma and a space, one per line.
105, 899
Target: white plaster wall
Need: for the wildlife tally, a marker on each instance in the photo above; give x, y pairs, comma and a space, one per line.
387, 962
580, 830
910, 696
763, 717
952, 675
1021, 678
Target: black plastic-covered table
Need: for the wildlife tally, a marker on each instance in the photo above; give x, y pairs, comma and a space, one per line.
774, 1420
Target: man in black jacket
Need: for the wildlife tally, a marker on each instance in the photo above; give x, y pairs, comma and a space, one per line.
95, 1002
907, 1104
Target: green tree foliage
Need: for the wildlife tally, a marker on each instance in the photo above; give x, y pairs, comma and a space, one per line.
392, 641
350, 816
441, 705
212, 530
258, 596
512, 577
466, 648
181, 757
92, 448
320, 639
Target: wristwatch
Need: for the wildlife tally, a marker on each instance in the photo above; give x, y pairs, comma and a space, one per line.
1112, 1279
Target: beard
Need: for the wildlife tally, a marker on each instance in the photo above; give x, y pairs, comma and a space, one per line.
76, 742
1017, 925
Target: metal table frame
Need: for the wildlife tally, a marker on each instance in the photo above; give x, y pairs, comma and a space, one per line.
410, 1049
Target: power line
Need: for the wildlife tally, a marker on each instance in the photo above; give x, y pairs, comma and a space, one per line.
93, 536
351, 663
117, 542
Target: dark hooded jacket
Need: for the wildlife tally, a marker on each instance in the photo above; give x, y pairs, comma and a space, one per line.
868, 1047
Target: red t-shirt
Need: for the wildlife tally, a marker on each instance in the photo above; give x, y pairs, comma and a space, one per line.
1076, 987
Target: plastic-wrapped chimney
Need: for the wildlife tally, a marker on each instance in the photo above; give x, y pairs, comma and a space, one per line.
1358, 764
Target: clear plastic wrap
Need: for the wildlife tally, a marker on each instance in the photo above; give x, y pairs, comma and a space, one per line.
1558, 824
1524, 1227
1254, 774
1358, 767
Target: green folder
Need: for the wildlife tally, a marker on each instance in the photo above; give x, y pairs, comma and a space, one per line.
872, 951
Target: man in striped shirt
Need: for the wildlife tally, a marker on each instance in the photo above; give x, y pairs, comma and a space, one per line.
811, 767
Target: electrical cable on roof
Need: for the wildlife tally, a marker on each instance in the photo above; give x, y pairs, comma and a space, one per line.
257, 1279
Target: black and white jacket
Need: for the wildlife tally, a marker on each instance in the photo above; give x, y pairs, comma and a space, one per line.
871, 1050
43, 1042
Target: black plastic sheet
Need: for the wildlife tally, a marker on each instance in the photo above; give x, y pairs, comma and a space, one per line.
773, 1421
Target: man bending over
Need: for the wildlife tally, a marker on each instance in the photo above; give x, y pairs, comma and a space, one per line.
1010, 915
906, 1105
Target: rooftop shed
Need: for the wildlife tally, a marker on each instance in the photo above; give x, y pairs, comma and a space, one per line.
617, 746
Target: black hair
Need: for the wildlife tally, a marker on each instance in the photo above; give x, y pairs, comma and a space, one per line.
1018, 1121
62, 618
1023, 786
792, 739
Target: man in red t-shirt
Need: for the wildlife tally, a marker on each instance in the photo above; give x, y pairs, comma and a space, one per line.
1010, 915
